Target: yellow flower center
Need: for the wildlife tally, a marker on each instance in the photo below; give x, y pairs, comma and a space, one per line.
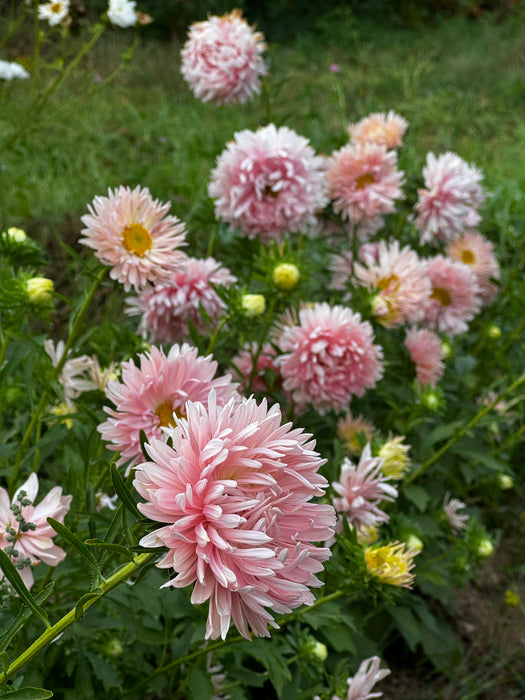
467, 256
363, 180
56, 7
389, 282
164, 413
441, 294
136, 240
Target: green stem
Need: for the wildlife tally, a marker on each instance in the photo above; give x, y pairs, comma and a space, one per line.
267, 324
215, 336
465, 429
72, 616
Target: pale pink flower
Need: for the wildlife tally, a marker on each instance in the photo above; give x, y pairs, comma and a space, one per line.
330, 357
363, 181
243, 367
368, 674
235, 493
33, 535
222, 59
426, 352
452, 506
268, 183
342, 267
400, 279
130, 232
451, 198
149, 397
167, 308
454, 300
75, 376
384, 129
477, 252
361, 488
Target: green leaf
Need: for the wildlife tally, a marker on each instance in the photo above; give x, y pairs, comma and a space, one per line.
143, 442
28, 694
4, 658
201, 687
407, 624
15, 580
104, 671
123, 492
416, 495
110, 547
79, 607
272, 660
23, 615
74, 541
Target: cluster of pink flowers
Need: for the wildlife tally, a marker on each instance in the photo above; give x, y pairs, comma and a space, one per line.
236, 493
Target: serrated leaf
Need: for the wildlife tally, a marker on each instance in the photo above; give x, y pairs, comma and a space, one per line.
15, 580
104, 671
123, 492
28, 694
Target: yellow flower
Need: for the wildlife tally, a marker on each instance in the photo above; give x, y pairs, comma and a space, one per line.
512, 599
391, 564
286, 276
395, 457
253, 304
367, 534
62, 410
40, 291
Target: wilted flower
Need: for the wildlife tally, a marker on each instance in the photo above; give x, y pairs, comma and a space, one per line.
235, 491
361, 488
147, 397
450, 202
25, 535
330, 357
363, 181
477, 252
166, 308
253, 304
355, 432
10, 70
268, 183
222, 59
286, 276
391, 563
73, 375
394, 455
457, 521
54, 12
380, 128
426, 352
368, 674
130, 232
40, 291
122, 13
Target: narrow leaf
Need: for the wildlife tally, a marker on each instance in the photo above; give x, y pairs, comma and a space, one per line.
143, 442
28, 694
110, 547
15, 580
123, 492
74, 541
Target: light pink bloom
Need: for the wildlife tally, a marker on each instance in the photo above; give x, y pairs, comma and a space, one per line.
148, 396
266, 361
451, 198
454, 300
368, 674
457, 521
363, 181
268, 183
401, 281
342, 267
384, 129
167, 308
235, 493
330, 357
477, 252
75, 376
361, 488
34, 544
130, 232
426, 353
222, 59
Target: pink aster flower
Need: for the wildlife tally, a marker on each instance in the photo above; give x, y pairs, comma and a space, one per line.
150, 396
28, 540
384, 129
361, 488
130, 232
167, 308
222, 59
454, 300
368, 674
342, 267
401, 281
451, 198
268, 183
426, 353
477, 252
330, 357
363, 181
235, 492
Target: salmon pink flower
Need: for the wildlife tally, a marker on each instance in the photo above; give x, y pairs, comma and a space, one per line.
384, 129
222, 59
130, 232
477, 252
268, 183
266, 361
234, 494
426, 352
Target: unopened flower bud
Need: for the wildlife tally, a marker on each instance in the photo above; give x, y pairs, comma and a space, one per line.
316, 650
16, 234
286, 276
113, 648
253, 304
415, 543
40, 291
485, 548
504, 481
395, 457
446, 349
494, 332
431, 400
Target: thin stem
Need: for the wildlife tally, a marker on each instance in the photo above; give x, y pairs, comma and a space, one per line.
215, 336
465, 429
268, 323
71, 617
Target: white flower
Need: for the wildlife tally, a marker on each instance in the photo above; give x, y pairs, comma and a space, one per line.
122, 13
451, 506
72, 377
10, 70
54, 12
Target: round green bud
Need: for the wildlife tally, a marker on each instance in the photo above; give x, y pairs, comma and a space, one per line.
286, 276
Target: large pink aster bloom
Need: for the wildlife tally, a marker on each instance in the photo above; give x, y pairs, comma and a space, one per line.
150, 396
454, 300
167, 308
400, 278
363, 181
235, 493
222, 59
477, 252
384, 129
330, 356
451, 198
426, 353
130, 232
361, 488
268, 183
33, 534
